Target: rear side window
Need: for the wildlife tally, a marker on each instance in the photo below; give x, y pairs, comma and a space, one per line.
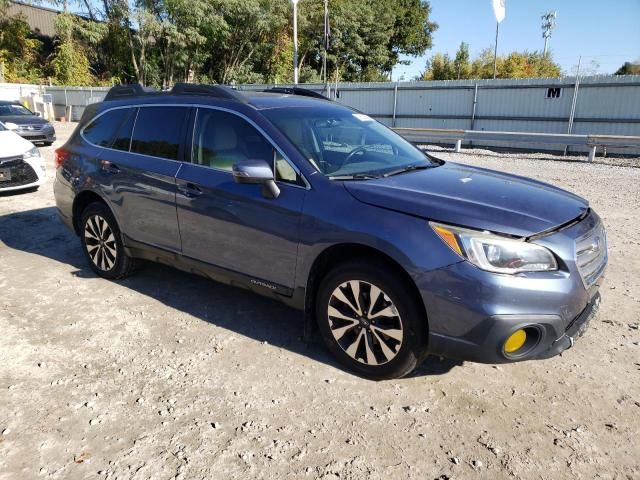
158, 131
102, 130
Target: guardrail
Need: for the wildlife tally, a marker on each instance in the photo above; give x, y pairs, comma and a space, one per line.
417, 135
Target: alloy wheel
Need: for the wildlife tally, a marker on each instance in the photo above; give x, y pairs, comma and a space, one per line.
365, 322
100, 243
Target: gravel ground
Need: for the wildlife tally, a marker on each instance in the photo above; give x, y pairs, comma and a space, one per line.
168, 375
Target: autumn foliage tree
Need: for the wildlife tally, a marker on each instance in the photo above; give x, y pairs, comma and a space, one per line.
513, 65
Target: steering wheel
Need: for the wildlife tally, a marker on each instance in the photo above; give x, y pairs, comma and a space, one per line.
352, 153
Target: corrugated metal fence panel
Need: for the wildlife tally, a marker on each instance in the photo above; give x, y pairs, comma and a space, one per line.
77, 97
435, 103
13, 91
605, 104
527, 101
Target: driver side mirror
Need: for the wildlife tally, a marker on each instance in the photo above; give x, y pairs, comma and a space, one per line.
256, 172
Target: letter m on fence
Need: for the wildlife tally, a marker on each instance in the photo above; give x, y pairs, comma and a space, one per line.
554, 92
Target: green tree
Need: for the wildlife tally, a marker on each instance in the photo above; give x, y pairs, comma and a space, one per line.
461, 64
70, 63
20, 60
160, 42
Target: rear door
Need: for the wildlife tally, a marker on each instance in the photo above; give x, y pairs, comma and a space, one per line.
234, 226
137, 172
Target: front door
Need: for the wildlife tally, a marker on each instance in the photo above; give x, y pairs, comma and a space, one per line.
234, 226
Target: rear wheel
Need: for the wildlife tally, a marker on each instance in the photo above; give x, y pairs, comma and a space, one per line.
102, 243
370, 321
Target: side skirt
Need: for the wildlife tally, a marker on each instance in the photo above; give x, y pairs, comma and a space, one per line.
286, 295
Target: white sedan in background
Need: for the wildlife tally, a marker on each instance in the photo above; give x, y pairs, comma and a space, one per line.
21, 166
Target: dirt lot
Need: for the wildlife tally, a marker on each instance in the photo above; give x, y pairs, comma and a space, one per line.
168, 375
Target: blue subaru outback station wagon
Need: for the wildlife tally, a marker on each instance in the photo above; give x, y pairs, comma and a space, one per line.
391, 254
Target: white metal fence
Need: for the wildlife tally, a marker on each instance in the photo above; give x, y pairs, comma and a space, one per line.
602, 105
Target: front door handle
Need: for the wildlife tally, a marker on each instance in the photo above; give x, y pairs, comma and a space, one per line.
190, 190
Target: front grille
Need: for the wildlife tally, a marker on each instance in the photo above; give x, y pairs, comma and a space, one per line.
35, 137
10, 161
30, 128
21, 173
591, 254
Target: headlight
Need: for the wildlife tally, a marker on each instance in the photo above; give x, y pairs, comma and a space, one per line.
11, 126
494, 253
34, 152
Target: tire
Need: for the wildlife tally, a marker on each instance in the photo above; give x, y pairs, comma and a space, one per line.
388, 339
102, 243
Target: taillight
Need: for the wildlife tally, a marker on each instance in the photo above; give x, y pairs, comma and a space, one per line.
60, 156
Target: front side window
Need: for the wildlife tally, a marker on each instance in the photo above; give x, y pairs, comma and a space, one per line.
102, 130
159, 131
343, 144
220, 139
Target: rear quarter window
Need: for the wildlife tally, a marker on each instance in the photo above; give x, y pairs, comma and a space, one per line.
101, 130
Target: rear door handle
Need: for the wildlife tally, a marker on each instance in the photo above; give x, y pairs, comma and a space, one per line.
108, 167
190, 190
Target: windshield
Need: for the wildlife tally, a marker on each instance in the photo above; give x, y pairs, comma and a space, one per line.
343, 144
8, 110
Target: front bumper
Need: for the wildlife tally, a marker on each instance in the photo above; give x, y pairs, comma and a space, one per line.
20, 174
46, 135
471, 313
554, 337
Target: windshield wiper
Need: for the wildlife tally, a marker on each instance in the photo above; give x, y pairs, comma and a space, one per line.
407, 168
355, 176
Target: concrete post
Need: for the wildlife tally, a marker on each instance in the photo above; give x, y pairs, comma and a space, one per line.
458, 145
592, 153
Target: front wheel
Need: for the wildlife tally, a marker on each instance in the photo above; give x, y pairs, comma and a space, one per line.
102, 243
370, 321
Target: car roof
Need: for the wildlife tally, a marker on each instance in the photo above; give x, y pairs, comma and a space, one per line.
265, 100
254, 100
9, 102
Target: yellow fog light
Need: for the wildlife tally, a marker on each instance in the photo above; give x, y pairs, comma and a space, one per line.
515, 341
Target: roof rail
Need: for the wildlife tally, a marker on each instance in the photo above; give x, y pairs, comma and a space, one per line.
219, 91
137, 90
132, 90
303, 92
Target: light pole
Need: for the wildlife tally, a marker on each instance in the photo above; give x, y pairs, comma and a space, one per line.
499, 12
295, 41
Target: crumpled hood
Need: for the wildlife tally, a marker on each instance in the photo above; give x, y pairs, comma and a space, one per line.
473, 197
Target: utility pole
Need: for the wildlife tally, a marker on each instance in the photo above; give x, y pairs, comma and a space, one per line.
295, 41
326, 39
548, 25
495, 51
